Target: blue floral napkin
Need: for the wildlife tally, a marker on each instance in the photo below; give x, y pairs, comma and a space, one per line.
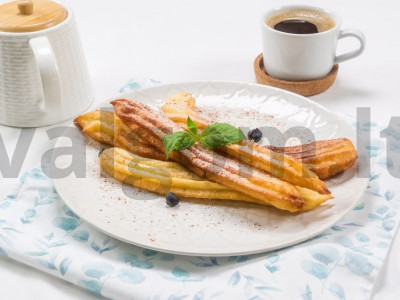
36, 228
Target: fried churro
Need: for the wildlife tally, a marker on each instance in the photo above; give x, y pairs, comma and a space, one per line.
208, 164
105, 127
105, 133
181, 105
139, 129
162, 177
325, 158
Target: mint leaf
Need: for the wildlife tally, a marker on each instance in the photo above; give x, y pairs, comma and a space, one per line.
178, 141
213, 136
192, 126
220, 134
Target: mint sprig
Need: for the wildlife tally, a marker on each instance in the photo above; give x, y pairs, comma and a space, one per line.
213, 136
178, 141
220, 134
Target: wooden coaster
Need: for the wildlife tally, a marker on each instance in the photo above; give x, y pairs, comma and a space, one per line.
304, 88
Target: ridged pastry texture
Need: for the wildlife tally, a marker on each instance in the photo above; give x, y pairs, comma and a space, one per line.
162, 177
107, 128
208, 164
181, 105
325, 158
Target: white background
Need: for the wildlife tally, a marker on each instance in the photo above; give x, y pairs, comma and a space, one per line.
179, 40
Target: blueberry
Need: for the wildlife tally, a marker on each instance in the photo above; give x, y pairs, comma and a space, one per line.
255, 135
172, 199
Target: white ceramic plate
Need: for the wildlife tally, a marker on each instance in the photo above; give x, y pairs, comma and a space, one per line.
210, 228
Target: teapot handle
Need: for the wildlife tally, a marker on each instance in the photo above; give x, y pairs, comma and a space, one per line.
48, 70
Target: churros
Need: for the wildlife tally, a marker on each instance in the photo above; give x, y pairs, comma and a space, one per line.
181, 105
162, 177
105, 133
208, 164
325, 158
248, 172
105, 127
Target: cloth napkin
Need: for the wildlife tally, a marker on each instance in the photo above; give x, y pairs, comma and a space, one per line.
37, 229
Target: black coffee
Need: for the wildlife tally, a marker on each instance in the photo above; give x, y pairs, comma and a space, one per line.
296, 27
300, 21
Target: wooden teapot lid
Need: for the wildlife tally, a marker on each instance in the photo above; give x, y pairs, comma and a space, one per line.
29, 16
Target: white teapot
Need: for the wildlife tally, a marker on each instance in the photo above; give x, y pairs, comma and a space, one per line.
43, 73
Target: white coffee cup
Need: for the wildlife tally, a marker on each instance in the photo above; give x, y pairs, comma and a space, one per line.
44, 78
296, 57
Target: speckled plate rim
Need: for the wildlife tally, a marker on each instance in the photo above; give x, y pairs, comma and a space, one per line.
225, 252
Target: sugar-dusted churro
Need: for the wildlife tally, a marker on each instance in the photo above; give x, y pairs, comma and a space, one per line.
326, 158
105, 127
162, 177
208, 164
181, 105
105, 133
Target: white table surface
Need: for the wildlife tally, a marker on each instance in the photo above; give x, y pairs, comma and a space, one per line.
178, 40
